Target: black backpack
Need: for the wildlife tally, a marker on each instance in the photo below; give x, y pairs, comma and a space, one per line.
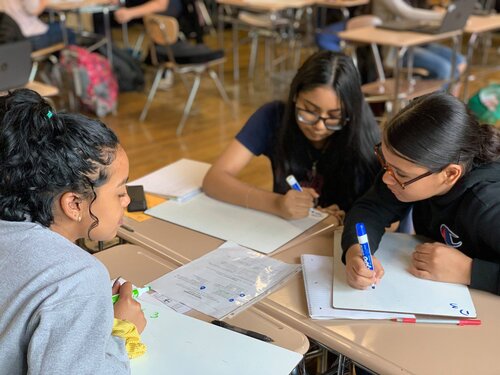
127, 70
9, 30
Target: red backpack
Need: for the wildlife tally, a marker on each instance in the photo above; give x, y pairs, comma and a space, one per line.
94, 81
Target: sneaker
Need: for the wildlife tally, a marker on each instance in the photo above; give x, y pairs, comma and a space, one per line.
167, 81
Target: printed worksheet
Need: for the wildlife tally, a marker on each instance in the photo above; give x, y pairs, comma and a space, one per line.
225, 280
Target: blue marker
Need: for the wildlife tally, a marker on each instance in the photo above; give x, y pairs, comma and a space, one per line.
293, 183
365, 247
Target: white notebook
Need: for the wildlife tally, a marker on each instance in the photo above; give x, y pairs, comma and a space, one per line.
318, 274
250, 228
180, 181
399, 290
179, 344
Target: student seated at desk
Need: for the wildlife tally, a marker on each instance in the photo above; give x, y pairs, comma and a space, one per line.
40, 34
433, 57
323, 135
62, 177
438, 159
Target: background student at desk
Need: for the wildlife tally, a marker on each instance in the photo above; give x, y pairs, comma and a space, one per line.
438, 159
62, 177
323, 135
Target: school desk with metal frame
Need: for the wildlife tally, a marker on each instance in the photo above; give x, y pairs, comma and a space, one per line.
404, 42
140, 266
477, 25
382, 346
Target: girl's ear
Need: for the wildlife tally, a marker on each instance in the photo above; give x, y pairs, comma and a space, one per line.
452, 173
71, 206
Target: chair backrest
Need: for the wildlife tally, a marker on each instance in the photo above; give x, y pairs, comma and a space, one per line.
162, 30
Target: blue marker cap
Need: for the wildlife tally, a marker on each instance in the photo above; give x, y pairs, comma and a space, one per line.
360, 229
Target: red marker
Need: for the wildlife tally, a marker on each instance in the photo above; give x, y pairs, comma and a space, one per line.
458, 322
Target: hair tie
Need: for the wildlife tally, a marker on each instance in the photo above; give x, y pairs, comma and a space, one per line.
49, 114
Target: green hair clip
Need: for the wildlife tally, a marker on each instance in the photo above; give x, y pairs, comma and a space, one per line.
49, 114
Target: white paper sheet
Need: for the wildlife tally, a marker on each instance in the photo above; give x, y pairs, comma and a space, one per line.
400, 291
225, 280
318, 274
250, 228
179, 344
180, 181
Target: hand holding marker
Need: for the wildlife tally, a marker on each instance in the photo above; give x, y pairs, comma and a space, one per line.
365, 247
135, 293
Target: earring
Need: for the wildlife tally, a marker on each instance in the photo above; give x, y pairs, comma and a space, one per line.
79, 218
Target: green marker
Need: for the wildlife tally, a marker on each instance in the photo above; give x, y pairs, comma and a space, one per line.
135, 293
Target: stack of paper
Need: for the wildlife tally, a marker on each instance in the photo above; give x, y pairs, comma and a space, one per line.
179, 181
224, 281
400, 291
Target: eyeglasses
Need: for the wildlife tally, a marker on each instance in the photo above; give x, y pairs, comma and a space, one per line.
389, 169
310, 118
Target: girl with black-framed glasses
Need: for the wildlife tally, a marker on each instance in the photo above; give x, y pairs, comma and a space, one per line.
323, 135
440, 161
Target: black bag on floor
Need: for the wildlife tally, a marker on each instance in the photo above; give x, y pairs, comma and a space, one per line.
127, 70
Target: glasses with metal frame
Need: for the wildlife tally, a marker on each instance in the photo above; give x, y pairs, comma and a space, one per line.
389, 169
311, 118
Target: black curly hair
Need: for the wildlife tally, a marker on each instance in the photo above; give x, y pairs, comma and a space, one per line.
44, 154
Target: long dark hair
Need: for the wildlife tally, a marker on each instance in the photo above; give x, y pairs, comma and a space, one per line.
351, 154
44, 154
436, 130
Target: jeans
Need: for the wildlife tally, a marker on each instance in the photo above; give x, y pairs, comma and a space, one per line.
436, 59
53, 36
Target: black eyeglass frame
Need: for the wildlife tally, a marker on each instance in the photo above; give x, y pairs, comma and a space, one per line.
341, 122
388, 169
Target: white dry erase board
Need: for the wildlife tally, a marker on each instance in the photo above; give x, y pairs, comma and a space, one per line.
179, 344
250, 228
399, 290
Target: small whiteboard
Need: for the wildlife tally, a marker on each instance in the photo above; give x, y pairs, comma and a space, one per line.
400, 291
178, 344
250, 228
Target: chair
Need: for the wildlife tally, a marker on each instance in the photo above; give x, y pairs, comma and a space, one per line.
383, 89
183, 58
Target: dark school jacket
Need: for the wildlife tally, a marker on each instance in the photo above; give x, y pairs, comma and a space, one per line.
466, 218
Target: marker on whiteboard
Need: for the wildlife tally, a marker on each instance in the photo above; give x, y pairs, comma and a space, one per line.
365, 247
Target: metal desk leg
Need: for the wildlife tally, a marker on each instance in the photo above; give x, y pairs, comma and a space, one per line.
470, 49
107, 30
236, 51
457, 41
397, 78
220, 37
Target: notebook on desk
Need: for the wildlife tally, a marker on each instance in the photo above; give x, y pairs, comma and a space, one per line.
15, 64
455, 18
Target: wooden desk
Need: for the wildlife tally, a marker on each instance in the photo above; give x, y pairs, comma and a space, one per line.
91, 7
475, 26
140, 266
403, 41
384, 347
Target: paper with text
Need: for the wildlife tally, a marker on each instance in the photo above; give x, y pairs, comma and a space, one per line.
399, 290
179, 344
318, 275
179, 181
250, 228
225, 280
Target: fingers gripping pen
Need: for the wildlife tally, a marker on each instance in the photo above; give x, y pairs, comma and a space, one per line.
365, 247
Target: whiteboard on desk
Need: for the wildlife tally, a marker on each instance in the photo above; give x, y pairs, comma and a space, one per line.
179, 344
249, 228
400, 291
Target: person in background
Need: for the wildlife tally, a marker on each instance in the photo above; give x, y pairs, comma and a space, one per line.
433, 57
62, 178
439, 160
323, 135
40, 34
135, 9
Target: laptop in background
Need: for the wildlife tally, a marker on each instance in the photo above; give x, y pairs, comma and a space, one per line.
455, 18
15, 64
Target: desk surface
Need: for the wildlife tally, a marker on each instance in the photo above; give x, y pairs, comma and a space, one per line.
385, 347
481, 24
75, 5
392, 38
140, 266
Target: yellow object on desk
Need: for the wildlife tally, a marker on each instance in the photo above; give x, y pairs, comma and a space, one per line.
151, 200
128, 332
